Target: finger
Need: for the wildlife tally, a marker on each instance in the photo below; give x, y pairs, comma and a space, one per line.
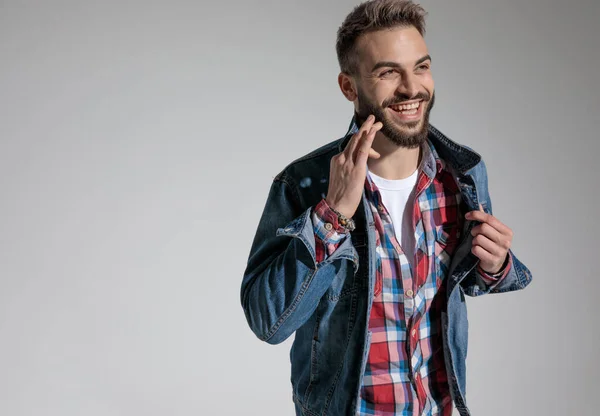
489, 246
363, 147
502, 240
374, 154
489, 219
488, 231
337, 160
362, 153
483, 254
363, 131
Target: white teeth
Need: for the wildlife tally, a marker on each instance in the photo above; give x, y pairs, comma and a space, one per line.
405, 107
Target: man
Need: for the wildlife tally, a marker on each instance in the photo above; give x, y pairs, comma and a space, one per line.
367, 245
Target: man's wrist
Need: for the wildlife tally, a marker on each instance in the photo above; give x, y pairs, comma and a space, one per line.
500, 272
344, 221
328, 218
337, 209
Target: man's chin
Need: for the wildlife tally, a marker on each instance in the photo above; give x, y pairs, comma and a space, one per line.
410, 128
408, 135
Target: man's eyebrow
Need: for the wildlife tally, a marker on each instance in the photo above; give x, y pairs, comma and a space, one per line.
392, 64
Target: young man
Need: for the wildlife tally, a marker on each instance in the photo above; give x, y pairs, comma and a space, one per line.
367, 245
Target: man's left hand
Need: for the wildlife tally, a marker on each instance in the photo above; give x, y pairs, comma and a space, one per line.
491, 241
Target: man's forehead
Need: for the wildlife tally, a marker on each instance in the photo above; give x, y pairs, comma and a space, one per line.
403, 45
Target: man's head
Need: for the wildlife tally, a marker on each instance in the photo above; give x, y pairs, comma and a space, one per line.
386, 68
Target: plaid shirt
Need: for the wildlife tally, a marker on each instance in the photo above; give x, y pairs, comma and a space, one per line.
405, 371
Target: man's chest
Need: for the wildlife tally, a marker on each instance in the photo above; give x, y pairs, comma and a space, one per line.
421, 227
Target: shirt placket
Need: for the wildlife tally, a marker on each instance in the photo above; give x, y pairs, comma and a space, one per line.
412, 280
420, 275
406, 276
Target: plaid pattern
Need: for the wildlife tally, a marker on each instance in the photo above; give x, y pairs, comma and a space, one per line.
405, 317
405, 371
329, 236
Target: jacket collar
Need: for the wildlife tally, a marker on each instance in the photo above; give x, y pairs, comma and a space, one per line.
459, 157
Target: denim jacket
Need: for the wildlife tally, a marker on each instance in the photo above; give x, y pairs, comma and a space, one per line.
328, 304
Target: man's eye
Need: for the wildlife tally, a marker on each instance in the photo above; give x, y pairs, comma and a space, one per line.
424, 67
388, 72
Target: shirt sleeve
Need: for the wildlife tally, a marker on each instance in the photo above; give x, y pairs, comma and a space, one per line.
493, 279
329, 233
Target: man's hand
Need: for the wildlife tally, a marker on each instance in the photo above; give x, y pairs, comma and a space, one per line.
348, 169
491, 242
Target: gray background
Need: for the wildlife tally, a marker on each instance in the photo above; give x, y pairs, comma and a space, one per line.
138, 144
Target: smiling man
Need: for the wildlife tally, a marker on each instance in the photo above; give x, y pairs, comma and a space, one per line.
368, 245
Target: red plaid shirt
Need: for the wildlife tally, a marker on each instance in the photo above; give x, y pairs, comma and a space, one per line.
405, 372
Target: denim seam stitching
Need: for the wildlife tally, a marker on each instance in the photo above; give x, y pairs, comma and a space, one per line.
337, 375
344, 293
292, 187
304, 408
313, 360
307, 280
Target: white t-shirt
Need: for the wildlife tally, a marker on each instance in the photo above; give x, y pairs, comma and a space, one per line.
398, 197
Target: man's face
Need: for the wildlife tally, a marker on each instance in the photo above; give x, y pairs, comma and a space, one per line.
394, 83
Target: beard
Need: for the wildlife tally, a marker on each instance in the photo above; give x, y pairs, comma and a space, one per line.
401, 134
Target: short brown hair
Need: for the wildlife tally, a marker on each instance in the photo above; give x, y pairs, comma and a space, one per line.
371, 16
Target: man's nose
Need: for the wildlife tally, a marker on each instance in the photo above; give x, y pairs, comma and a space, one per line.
408, 85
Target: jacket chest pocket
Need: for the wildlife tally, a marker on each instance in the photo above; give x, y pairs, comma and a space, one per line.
447, 237
343, 283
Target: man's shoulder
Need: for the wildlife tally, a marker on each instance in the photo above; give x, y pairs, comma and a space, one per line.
314, 163
461, 157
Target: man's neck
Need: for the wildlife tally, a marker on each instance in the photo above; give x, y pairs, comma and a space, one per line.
395, 162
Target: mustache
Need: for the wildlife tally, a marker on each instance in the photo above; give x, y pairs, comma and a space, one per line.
402, 97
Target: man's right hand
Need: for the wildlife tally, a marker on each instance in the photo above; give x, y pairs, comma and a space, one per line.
348, 169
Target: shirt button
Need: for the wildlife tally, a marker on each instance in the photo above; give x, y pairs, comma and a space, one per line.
328, 226
409, 293
413, 332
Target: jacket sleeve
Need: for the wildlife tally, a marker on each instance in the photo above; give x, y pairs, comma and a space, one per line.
515, 274
283, 282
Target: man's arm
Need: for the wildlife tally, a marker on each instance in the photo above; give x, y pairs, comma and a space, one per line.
284, 280
516, 276
513, 275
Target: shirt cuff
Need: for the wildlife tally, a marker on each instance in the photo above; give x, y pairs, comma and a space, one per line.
326, 224
494, 278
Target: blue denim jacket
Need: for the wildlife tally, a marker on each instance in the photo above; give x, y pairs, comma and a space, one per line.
328, 305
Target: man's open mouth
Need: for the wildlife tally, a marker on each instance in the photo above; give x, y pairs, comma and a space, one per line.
407, 109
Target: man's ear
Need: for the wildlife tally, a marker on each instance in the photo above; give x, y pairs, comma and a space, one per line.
347, 86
